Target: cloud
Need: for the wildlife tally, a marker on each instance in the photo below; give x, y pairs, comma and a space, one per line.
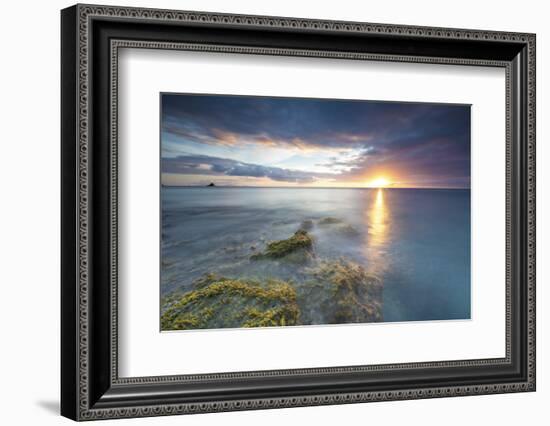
206, 165
428, 140
228, 120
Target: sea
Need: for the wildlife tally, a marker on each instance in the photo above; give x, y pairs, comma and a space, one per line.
416, 241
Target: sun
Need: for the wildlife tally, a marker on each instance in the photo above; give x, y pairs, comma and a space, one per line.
379, 182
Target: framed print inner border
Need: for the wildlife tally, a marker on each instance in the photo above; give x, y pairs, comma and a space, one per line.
89, 401
116, 45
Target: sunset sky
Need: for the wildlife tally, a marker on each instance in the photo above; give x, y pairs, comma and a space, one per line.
268, 141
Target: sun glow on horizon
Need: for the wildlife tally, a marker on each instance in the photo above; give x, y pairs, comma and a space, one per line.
379, 182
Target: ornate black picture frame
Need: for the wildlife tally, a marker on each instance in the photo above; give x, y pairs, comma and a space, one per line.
91, 37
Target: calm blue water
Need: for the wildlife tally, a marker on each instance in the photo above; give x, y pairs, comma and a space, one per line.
417, 241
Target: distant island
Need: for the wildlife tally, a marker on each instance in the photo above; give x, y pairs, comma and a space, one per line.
211, 184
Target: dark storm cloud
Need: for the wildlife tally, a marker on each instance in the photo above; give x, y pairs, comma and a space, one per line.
206, 165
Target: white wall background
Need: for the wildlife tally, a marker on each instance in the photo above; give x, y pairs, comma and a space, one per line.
29, 225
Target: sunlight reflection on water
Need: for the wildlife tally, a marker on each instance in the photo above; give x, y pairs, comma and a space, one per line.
378, 223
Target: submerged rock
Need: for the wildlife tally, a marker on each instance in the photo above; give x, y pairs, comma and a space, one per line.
340, 292
296, 248
339, 226
346, 230
330, 221
218, 302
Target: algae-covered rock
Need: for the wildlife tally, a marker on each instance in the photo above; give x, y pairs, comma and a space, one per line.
330, 221
296, 248
346, 229
338, 226
218, 302
340, 292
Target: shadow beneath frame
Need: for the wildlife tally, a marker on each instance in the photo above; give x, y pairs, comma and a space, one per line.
51, 406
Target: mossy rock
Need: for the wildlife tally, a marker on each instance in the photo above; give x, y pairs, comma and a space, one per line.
330, 221
340, 292
296, 248
346, 230
338, 226
218, 302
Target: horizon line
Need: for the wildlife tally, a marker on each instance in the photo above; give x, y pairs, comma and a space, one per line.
314, 187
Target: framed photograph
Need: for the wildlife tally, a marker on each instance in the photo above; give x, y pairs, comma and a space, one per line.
263, 212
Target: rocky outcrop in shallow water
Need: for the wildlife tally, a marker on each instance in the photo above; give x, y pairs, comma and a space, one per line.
219, 302
339, 226
322, 292
330, 221
339, 292
297, 248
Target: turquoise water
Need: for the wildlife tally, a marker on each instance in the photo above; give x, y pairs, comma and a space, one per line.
417, 241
